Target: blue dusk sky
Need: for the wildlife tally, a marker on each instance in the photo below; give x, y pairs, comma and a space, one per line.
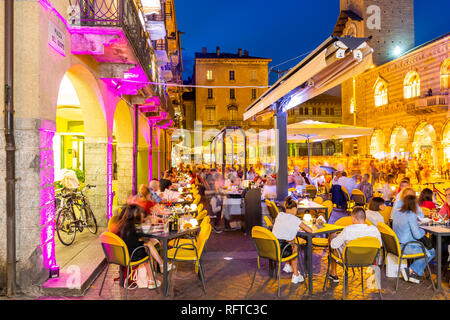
279, 30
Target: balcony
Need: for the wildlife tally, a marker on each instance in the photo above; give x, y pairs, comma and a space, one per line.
231, 123
112, 31
156, 25
424, 105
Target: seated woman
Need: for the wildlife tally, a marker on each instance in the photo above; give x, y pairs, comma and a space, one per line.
269, 190
405, 225
285, 229
426, 199
376, 205
126, 230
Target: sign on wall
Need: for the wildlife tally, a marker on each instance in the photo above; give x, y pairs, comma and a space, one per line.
56, 38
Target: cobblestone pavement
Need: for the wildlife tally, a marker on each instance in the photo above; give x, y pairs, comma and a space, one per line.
229, 264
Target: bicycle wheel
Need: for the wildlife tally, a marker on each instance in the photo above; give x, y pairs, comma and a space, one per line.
91, 222
65, 227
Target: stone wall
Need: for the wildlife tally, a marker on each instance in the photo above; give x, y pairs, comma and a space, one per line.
96, 151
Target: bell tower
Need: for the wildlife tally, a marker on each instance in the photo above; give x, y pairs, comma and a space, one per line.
389, 22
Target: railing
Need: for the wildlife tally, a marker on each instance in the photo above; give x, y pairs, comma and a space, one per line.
160, 45
114, 13
155, 17
428, 104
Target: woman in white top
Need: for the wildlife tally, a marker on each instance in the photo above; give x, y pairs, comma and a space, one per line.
376, 205
285, 229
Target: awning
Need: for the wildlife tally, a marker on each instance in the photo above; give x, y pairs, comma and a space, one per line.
151, 6
333, 62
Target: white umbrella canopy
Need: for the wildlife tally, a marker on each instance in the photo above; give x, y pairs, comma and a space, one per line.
319, 131
310, 130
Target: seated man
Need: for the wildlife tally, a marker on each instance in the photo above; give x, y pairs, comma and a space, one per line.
358, 229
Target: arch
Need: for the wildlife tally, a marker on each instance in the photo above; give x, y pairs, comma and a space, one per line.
377, 142
381, 93
411, 85
445, 75
399, 141
424, 142
123, 123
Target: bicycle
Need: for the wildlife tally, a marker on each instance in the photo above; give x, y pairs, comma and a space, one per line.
67, 224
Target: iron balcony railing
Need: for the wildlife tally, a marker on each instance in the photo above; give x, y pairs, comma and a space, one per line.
115, 13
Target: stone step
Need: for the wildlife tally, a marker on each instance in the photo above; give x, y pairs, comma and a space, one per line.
78, 272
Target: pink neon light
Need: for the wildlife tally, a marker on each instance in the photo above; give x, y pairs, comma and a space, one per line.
47, 194
57, 49
109, 178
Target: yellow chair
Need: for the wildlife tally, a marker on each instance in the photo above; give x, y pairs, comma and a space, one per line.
361, 252
347, 196
268, 222
329, 205
199, 208
197, 199
359, 198
318, 200
273, 210
392, 245
201, 215
426, 212
311, 191
323, 242
268, 247
116, 252
112, 223
179, 241
192, 252
386, 213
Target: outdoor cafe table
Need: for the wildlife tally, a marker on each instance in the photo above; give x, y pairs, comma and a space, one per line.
312, 206
439, 232
326, 229
165, 238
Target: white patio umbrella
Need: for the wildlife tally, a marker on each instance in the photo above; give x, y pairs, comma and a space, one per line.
310, 130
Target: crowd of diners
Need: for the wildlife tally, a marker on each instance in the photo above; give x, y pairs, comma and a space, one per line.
407, 208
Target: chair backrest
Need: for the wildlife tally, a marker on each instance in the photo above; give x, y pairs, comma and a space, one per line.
318, 200
197, 199
112, 223
206, 220
359, 197
115, 249
346, 194
268, 222
266, 243
203, 236
386, 213
426, 212
202, 215
361, 252
274, 205
311, 191
390, 239
200, 207
273, 212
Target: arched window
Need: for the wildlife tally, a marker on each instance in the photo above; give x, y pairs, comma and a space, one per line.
412, 85
381, 94
445, 75
232, 113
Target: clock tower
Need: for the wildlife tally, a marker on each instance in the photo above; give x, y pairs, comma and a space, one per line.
390, 23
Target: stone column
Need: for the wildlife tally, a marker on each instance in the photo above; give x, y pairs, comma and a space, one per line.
124, 172
95, 158
34, 194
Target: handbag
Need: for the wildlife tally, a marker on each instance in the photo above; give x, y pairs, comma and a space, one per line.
426, 242
140, 277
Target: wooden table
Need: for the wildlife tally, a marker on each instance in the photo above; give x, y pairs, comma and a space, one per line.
165, 238
439, 231
312, 206
326, 229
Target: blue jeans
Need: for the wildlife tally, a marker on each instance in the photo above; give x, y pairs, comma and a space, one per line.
419, 265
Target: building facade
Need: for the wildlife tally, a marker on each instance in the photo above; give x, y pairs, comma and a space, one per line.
82, 101
216, 108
